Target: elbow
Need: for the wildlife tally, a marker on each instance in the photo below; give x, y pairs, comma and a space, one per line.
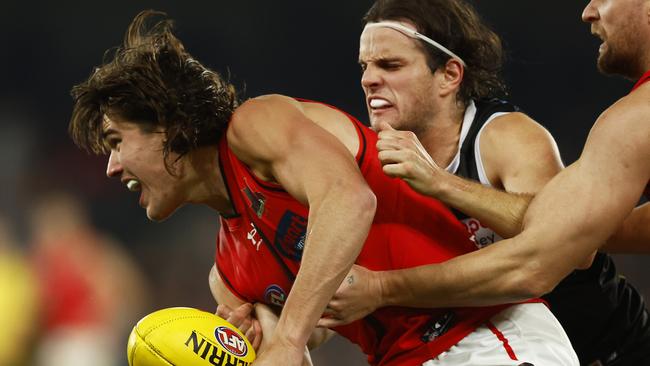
366, 205
533, 281
369, 203
361, 200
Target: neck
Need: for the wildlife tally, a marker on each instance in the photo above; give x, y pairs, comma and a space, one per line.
441, 138
208, 186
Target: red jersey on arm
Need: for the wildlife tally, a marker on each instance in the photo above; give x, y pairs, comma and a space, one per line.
641, 81
260, 247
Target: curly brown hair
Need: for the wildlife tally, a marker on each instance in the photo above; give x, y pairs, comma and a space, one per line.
152, 81
457, 26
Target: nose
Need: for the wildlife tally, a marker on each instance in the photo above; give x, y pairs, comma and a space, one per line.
590, 13
114, 167
371, 77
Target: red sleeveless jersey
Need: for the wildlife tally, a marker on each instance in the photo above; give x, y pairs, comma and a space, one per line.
260, 247
641, 81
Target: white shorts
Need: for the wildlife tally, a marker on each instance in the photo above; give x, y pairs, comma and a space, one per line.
524, 334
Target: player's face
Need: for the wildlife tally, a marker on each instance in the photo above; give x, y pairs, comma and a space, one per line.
398, 84
136, 157
622, 25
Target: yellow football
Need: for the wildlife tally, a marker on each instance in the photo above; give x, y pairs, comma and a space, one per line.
187, 337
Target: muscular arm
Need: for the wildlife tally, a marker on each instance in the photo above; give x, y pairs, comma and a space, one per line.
518, 155
569, 219
634, 235
276, 139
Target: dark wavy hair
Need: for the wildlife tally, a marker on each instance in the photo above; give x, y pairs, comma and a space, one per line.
456, 25
152, 81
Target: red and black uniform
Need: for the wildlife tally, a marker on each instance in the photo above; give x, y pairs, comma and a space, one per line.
260, 247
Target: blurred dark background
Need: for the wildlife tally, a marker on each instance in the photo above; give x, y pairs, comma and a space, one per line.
305, 49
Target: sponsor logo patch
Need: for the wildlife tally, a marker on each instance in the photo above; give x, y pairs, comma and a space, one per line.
481, 235
290, 235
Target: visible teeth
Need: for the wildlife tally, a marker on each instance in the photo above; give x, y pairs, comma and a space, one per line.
133, 185
378, 103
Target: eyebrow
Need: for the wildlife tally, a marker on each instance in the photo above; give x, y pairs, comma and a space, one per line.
107, 133
382, 58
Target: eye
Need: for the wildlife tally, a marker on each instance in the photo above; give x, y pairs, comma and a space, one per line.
113, 143
363, 66
389, 65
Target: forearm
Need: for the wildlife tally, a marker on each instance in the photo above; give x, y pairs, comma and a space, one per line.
501, 211
338, 227
557, 237
487, 277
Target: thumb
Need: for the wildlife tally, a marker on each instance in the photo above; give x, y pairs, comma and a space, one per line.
384, 126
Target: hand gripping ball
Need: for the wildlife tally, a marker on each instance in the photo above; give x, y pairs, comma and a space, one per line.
187, 337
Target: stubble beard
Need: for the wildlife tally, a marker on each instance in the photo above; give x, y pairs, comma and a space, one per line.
622, 57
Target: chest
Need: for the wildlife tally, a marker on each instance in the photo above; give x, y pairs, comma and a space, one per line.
259, 251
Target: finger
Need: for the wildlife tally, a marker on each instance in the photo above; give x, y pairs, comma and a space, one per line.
245, 325
223, 311
392, 157
330, 313
384, 126
395, 170
257, 330
243, 311
238, 316
267, 318
388, 144
250, 334
330, 323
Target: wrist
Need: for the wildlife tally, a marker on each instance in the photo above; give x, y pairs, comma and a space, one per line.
382, 287
287, 338
448, 186
443, 185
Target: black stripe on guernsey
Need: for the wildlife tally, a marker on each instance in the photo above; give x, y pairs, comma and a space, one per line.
354, 121
467, 167
273, 251
363, 146
225, 182
267, 185
230, 286
379, 329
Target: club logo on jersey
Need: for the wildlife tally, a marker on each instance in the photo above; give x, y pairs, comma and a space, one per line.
209, 351
275, 295
231, 341
290, 236
256, 201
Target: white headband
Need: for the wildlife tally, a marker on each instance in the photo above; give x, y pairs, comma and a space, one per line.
415, 34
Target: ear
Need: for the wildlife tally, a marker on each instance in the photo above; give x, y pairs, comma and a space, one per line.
451, 77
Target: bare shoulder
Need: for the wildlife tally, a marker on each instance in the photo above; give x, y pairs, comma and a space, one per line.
515, 127
624, 128
629, 116
261, 113
619, 142
262, 125
261, 122
518, 153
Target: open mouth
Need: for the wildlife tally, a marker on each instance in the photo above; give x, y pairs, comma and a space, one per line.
133, 185
379, 104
